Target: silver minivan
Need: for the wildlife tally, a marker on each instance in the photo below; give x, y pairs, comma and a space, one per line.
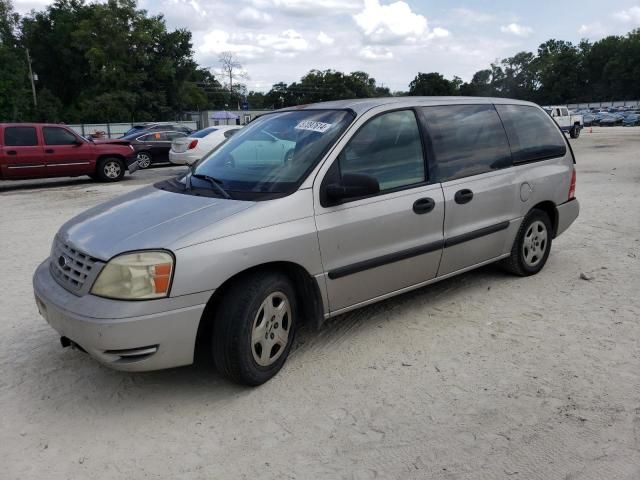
349, 203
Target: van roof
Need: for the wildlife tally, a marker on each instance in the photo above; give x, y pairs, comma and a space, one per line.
361, 105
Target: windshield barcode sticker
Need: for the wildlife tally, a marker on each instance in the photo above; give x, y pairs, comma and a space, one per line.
312, 126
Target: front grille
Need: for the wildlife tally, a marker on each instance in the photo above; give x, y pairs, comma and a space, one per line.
70, 267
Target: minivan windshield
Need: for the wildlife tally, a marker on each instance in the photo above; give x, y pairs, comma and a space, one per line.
273, 154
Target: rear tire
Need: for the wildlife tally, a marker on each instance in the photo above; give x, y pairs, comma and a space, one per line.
110, 169
575, 132
254, 328
144, 159
532, 245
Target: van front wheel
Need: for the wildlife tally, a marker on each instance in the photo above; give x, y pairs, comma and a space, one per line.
254, 327
532, 245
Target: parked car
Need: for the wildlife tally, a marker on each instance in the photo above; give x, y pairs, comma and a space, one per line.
40, 150
151, 146
631, 120
188, 150
611, 120
157, 126
569, 122
235, 254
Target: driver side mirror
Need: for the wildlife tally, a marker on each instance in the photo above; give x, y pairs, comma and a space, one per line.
352, 185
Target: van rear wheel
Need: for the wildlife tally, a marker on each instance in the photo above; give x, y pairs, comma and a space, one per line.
254, 327
532, 245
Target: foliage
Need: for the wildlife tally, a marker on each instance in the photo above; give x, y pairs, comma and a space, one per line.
111, 61
103, 62
318, 86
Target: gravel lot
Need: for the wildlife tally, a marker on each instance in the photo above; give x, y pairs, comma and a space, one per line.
481, 376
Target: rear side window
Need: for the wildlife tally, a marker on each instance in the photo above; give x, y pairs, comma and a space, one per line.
387, 148
20, 137
230, 133
58, 136
203, 133
467, 140
531, 134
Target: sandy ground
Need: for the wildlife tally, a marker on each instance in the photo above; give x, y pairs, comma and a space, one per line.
484, 376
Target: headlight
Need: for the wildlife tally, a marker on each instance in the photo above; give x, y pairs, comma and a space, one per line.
136, 276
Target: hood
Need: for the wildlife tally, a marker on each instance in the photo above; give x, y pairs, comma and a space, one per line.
144, 219
110, 141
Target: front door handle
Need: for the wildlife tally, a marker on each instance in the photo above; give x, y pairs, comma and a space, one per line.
48, 150
423, 205
463, 196
11, 152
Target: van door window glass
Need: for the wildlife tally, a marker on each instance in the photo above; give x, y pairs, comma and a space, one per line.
20, 137
565, 112
387, 148
467, 140
531, 135
58, 136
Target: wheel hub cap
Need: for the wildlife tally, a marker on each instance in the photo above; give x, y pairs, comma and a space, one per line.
534, 245
270, 332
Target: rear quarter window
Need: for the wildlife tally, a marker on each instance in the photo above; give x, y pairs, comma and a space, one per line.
20, 137
467, 140
532, 135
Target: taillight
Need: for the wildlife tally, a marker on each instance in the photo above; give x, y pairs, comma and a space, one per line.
193, 144
572, 186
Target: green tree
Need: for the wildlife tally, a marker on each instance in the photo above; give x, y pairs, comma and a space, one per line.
429, 84
15, 95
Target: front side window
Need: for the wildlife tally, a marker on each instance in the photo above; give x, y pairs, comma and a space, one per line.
58, 136
532, 135
272, 154
467, 140
20, 137
154, 137
387, 148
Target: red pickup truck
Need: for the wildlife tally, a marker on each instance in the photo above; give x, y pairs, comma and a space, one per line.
40, 150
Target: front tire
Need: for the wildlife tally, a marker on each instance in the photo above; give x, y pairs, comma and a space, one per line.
532, 245
110, 169
254, 328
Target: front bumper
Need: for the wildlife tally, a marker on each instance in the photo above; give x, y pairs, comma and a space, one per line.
124, 335
132, 163
567, 214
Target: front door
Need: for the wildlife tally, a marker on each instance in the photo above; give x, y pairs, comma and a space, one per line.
22, 152
472, 161
386, 242
66, 154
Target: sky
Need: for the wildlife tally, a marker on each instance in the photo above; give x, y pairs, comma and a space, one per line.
281, 40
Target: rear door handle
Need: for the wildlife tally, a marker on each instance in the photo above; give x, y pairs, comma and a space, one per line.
49, 150
423, 205
463, 196
11, 152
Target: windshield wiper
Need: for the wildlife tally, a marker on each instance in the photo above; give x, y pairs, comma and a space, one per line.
213, 181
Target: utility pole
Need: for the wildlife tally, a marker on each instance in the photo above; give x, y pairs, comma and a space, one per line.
33, 84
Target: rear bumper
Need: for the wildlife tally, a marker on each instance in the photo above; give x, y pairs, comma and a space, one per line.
567, 214
183, 158
135, 342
